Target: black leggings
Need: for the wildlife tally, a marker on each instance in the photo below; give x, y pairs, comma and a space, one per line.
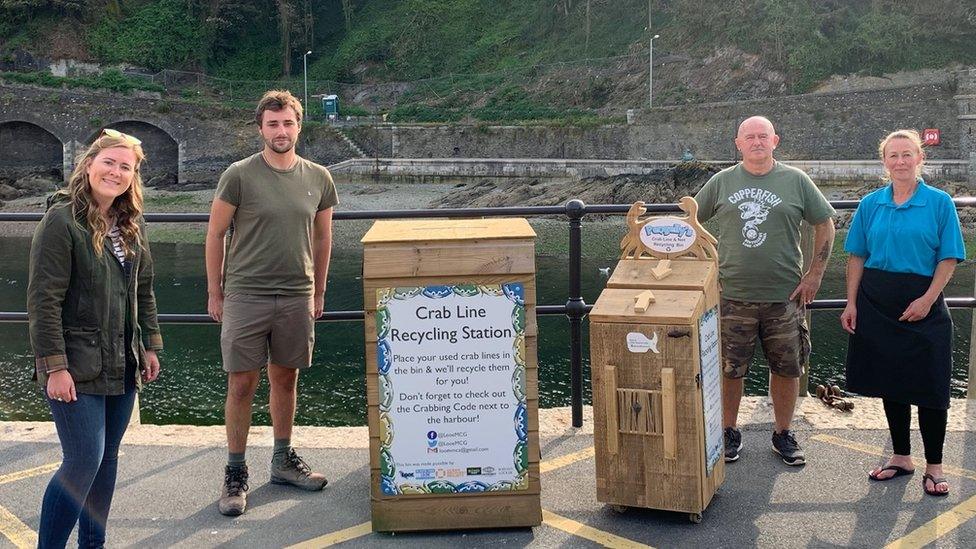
931, 421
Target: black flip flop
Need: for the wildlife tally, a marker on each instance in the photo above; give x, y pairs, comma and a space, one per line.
935, 482
899, 472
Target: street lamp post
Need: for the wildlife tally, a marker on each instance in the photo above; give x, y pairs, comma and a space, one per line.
650, 74
305, 64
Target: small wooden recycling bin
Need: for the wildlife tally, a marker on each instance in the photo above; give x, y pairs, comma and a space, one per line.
451, 374
656, 368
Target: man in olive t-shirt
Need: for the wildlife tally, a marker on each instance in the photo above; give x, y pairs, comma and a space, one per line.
269, 287
758, 206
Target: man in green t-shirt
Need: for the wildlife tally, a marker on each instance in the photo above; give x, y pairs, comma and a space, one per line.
269, 287
758, 205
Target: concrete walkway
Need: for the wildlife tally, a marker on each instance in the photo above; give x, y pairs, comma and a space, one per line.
170, 476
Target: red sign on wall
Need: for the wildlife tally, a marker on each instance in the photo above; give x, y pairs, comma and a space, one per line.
930, 137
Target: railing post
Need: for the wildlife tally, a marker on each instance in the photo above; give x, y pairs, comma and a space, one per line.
576, 308
971, 390
806, 245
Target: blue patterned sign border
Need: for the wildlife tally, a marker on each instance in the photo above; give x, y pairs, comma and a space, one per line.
515, 292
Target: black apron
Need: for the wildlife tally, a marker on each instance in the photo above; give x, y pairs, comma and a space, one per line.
906, 362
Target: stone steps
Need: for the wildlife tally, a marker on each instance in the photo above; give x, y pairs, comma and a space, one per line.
348, 140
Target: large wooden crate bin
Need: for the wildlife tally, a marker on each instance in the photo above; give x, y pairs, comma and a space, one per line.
451, 374
656, 369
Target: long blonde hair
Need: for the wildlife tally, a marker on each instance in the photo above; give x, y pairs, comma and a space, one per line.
127, 207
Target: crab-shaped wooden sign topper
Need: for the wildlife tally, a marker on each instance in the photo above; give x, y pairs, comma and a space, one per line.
667, 237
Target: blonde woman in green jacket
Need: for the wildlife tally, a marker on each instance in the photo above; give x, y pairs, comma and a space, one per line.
93, 329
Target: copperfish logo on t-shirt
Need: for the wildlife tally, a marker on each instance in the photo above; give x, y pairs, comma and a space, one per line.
754, 205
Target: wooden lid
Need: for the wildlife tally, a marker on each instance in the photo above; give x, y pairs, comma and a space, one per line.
444, 230
669, 307
686, 274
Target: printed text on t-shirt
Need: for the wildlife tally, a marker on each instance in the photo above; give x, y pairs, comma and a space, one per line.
754, 205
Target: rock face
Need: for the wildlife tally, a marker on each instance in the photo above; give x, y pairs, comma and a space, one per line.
38, 184
7, 192
967, 216
32, 184
663, 186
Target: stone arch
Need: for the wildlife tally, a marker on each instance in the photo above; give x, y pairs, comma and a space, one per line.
31, 159
162, 165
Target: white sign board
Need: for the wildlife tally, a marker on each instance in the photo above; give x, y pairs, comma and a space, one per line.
711, 380
451, 364
668, 235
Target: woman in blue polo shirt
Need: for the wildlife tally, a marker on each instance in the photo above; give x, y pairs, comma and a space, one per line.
904, 243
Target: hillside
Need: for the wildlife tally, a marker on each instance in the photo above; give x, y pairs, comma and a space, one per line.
501, 60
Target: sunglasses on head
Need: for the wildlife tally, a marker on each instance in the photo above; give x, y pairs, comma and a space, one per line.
123, 136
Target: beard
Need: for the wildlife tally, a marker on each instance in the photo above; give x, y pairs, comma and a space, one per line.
281, 146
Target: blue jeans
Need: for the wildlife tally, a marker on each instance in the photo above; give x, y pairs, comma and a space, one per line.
90, 430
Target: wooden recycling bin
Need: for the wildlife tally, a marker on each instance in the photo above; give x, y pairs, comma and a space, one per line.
451, 374
656, 369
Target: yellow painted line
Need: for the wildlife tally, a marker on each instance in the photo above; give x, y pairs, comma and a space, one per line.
578, 529
937, 527
334, 538
934, 529
837, 441
568, 459
366, 528
28, 473
876, 451
16, 531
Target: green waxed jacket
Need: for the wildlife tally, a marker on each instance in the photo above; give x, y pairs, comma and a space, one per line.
76, 305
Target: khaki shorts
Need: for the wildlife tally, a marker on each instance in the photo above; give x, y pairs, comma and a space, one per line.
782, 327
258, 327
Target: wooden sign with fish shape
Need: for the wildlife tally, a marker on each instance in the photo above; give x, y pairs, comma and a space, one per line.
667, 238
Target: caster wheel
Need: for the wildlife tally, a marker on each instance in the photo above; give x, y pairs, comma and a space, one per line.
695, 517
821, 391
835, 390
619, 509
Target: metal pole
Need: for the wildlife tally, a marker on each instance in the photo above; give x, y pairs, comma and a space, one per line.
575, 308
650, 60
971, 389
305, 71
806, 245
650, 73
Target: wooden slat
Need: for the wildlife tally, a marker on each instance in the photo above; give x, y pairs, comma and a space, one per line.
456, 511
639, 411
446, 230
686, 274
669, 307
610, 392
670, 419
448, 259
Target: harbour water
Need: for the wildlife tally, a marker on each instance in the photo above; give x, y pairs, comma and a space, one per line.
191, 387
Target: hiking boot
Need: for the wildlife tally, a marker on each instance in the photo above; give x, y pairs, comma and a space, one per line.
233, 498
733, 443
288, 468
786, 446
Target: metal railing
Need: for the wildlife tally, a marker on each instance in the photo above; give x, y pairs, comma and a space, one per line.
575, 307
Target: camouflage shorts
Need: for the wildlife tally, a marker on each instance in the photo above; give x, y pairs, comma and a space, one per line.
782, 327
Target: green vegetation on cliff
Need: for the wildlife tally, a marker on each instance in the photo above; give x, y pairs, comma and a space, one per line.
464, 58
